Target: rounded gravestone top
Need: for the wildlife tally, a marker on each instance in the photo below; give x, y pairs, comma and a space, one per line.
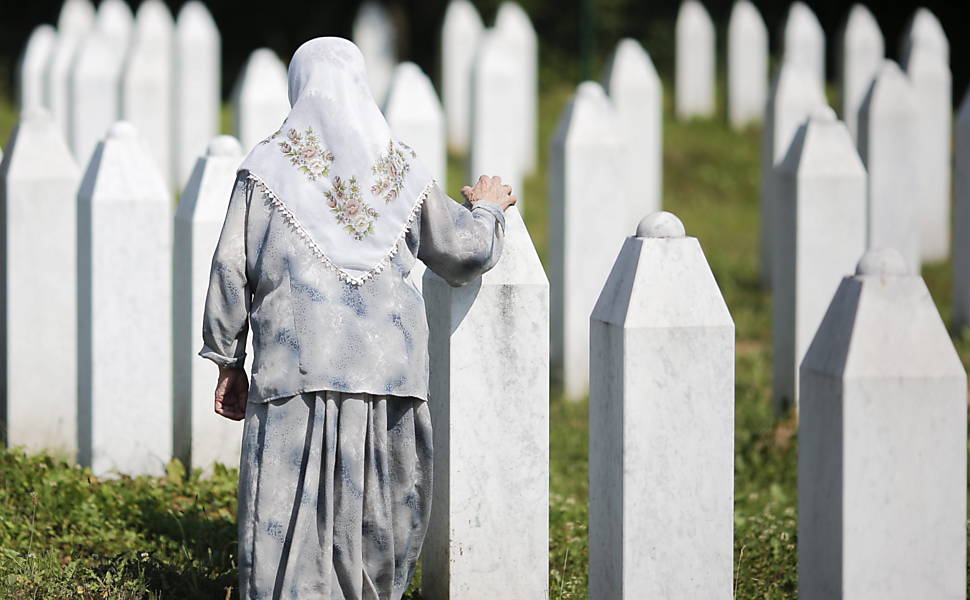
825, 114
122, 130
223, 145
882, 261
661, 225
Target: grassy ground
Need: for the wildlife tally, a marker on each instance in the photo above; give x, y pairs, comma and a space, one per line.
65, 534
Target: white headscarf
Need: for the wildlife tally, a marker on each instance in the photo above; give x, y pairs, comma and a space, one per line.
348, 188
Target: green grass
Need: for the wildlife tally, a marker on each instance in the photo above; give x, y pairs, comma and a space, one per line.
65, 534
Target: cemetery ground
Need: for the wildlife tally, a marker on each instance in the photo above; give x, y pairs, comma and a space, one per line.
66, 534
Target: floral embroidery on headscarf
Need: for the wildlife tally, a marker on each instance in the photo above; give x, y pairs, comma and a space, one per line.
345, 201
305, 153
391, 169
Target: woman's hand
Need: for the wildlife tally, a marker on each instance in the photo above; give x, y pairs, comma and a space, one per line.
231, 393
490, 189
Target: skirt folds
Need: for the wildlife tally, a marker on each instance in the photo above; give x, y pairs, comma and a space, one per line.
334, 496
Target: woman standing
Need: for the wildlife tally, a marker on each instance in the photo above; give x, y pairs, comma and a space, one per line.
324, 225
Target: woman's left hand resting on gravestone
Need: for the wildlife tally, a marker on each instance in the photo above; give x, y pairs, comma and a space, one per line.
231, 393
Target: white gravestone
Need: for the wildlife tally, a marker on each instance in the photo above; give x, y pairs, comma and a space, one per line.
124, 294
588, 219
961, 220
32, 66
635, 89
820, 229
805, 42
197, 86
694, 62
460, 34
926, 30
889, 144
146, 83
513, 24
93, 94
201, 436
415, 116
661, 423
76, 17
57, 78
930, 75
863, 50
494, 122
747, 65
38, 187
489, 530
116, 23
882, 445
260, 101
794, 95
376, 37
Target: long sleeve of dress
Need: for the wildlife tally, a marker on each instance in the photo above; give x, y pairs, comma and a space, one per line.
225, 323
459, 242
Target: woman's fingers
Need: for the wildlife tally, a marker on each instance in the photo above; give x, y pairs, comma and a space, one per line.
507, 190
512, 200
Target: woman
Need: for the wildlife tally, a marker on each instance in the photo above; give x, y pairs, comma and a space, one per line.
324, 224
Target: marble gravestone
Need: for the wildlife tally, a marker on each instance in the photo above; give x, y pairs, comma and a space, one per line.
38, 186
694, 62
661, 409
588, 217
489, 531
146, 83
882, 445
198, 79
76, 17
747, 65
926, 30
115, 22
201, 436
124, 298
804, 42
932, 83
495, 92
820, 230
260, 100
57, 77
635, 89
513, 24
93, 94
794, 95
460, 34
863, 51
376, 37
32, 66
889, 144
415, 116
961, 220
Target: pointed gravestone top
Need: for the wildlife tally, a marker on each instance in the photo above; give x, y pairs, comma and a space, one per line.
805, 40
589, 118
76, 18
414, 113
891, 93
460, 34
115, 22
925, 30
195, 20
861, 26
153, 21
823, 147
630, 71
124, 170
410, 93
224, 145
37, 135
375, 35
511, 19
661, 225
33, 62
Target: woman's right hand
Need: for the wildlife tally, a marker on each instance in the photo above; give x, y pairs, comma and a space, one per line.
232, 391
490, 189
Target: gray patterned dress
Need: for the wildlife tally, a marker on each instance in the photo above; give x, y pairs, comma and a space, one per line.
336, 468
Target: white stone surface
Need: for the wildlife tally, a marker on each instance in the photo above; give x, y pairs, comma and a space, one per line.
889, 146
926, 30
201, 436
115, 22
694, 62
820, 229
961, 220
93, 94
375, 35
38, 187
32, 66
57, 77
635, 90
863, 50
804, 42
415, 116
794, 95
747, 65
494, 120
513, 24
460, 34
661, 424
588, 219
260, 101
198, 77
882, 445
146, 82
930, 75
489, 342
125, 309
76, 17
